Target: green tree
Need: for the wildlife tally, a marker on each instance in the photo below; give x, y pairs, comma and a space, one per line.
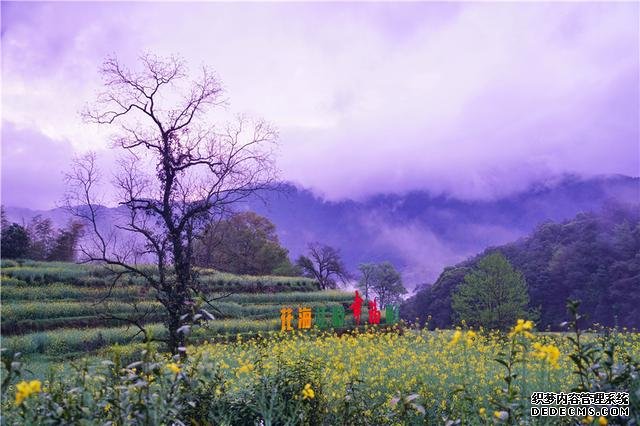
64, 247
367, 272
494, 295
245, 243
15, 241
42, 238
386, 283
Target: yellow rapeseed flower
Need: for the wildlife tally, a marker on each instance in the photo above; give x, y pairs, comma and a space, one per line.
25, 389
456, 337
471, 336
482, 411
549, 353
307, 392
175, 368
501, 415
522, 327
245, 368
602, 421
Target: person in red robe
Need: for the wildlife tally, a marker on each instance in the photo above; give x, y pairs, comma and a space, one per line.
374, 313
356, 307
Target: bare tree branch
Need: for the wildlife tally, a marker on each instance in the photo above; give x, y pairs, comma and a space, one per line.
179, 173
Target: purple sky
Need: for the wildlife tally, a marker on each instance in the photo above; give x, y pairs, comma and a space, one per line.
473, 99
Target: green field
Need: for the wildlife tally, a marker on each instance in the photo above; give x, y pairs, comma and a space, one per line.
53, 311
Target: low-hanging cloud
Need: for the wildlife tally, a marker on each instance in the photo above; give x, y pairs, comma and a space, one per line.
474, 100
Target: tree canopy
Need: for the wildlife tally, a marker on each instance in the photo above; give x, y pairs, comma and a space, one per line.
39, 240
245, 243
594, 257
493, 295
365, 281
15, 241
381, 281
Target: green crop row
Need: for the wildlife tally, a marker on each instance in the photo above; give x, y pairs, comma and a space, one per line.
64, 341
45, 310
38, 273
59, 291
292, 297
208, 276
14, 328
19, 310
30, 317
12, 282
61, 342
24, 317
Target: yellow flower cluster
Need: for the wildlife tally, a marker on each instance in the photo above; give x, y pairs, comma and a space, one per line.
25, 389
246, 368
523, 327
432, 364
173, 367
549, 353
307, 392
470, 337
456, 338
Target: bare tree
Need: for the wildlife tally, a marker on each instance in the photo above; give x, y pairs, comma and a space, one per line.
324, 264
177, 172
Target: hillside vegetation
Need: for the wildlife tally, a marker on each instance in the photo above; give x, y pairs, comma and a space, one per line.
63, 309
594, 258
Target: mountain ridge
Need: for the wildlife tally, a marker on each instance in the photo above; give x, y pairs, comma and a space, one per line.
418, 231
592, 257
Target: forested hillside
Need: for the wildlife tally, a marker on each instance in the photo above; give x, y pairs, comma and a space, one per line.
419, 232
595, 257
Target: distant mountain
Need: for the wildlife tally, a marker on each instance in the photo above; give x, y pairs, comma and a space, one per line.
419, 232
594, 258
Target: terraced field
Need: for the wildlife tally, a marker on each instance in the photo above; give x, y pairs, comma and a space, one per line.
56, 310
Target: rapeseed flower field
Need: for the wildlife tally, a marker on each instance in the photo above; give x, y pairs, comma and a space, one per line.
376, 376
433, 365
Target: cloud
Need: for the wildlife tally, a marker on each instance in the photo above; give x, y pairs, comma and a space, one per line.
420, 251
475, 100
32, 167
